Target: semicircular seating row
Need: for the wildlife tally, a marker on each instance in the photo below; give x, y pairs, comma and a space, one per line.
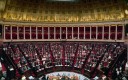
39, 56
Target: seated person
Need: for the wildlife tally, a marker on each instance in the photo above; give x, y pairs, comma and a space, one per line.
23, 77
31, 78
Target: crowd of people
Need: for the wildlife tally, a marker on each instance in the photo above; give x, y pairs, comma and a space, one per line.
38, 56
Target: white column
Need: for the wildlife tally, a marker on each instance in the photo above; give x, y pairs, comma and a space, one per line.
96, 31
60, 32
4, 31
103, 32
2, 34
109, 31
72, 33
123, 32
30, 32
24, 32
84, 32
48, 33
78, 33
11, 31
66, 33
116, 33
17, 32
90, 32
42, 32
54, 32
36, 33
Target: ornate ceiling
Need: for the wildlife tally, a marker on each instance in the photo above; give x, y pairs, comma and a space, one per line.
56, 11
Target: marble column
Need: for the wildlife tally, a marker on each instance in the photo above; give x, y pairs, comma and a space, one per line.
24, 32
123, 32
30, 32
36, 33
48, 32
116, 33
90, 32
11, 31
54, 32
109, 31
84, 32
78, 33
4, 32
103, 32
96, 31
17, 32
60, 32
66, 33
72, 33
42, 32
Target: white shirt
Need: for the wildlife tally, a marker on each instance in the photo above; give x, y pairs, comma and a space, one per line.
96, 78
23, 78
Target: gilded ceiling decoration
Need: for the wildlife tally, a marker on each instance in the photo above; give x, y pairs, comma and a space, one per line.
45, 11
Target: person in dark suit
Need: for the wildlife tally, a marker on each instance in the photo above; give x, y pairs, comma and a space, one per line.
10, 72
